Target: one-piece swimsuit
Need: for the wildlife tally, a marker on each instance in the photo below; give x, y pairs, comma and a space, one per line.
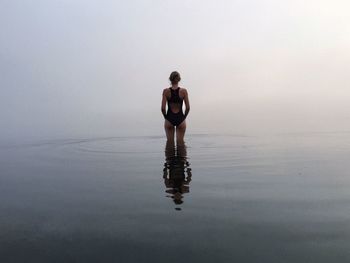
175, 118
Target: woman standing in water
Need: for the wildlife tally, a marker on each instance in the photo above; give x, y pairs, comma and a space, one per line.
175, 119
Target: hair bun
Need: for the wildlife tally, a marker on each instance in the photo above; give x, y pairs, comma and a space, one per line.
174, 77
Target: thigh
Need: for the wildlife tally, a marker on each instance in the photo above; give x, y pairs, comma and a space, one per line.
169, 130
180, 131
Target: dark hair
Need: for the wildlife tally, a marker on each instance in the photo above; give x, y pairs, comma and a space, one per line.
174, 77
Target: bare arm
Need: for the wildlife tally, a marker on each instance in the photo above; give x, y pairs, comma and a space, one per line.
163, 104
187, 104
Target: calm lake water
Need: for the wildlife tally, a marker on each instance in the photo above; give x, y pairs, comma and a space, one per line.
219, 198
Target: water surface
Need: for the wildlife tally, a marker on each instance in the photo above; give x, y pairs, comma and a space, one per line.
218, 198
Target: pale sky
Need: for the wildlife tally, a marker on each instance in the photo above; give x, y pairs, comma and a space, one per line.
97, 68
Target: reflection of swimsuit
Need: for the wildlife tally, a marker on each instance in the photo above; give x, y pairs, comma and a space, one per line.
175, 118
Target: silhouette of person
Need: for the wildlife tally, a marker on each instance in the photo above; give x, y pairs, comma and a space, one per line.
177, 173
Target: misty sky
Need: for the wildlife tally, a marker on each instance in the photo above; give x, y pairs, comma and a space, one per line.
93, 68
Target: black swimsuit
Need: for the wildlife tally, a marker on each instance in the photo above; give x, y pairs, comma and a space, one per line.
175, 118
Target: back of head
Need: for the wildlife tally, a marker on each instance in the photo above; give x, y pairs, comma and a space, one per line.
175, 77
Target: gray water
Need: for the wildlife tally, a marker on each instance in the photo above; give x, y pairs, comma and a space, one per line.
220, 198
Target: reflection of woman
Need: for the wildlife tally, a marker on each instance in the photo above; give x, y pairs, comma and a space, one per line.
177, 173
174, 117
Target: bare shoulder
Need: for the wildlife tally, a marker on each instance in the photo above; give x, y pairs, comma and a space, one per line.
166, 91
183, 92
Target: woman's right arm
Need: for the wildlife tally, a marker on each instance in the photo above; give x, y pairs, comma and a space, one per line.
187, 103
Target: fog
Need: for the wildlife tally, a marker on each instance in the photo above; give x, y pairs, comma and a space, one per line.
97, 68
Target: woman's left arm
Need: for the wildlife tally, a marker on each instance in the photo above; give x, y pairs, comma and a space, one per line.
163, 104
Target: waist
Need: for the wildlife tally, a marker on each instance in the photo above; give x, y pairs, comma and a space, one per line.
180, 112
